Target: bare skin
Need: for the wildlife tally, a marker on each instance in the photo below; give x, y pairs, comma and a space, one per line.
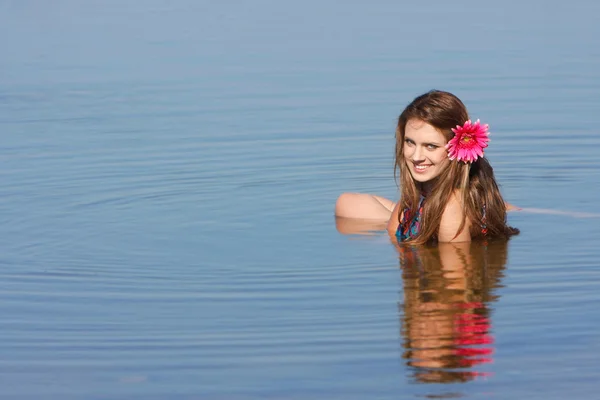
363, 206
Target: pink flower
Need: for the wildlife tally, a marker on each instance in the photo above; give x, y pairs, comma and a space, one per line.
468, 142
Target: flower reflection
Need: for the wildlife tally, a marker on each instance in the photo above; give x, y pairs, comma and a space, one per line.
446, 320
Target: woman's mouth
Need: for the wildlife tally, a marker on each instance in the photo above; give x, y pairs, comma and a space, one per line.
421, 167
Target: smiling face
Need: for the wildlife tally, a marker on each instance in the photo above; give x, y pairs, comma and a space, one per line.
424, 151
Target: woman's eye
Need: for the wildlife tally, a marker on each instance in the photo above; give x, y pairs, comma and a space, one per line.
432, 146
408, 141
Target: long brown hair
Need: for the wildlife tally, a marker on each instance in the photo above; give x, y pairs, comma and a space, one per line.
474, 182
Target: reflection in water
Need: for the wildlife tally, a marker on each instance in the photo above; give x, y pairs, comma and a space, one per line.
446, 325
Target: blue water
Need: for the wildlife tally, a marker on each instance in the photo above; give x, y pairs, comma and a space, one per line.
168, 178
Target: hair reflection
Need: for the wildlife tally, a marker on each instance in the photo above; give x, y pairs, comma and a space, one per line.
446, 323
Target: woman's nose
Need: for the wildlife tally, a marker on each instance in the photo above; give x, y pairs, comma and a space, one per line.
417, 154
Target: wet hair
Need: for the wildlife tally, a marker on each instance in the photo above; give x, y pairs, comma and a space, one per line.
474, 182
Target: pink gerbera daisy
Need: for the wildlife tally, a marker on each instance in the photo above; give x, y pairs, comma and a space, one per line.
468, 142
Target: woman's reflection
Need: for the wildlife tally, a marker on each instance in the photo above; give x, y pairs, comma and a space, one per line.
446, 323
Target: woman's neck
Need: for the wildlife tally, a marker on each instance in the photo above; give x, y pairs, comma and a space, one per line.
426, 187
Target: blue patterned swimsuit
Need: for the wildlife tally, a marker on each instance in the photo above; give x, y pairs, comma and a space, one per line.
409, 228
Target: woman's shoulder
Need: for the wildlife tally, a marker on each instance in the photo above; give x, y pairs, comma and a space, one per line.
454, 227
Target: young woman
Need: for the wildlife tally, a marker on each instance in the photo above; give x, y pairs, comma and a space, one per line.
448, 192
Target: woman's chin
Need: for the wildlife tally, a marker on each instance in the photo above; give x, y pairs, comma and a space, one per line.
421, 178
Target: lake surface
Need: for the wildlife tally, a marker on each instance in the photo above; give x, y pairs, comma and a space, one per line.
168, 178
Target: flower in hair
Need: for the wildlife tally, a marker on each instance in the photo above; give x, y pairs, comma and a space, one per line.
468, 142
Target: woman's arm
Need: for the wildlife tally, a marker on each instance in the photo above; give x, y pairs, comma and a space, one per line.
392, 225
361, 213
363, 206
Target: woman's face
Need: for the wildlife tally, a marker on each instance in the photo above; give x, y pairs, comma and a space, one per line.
424, 150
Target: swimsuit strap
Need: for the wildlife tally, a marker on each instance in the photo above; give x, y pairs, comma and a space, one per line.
483, 222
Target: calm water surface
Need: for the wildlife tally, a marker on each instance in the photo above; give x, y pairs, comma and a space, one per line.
168, 179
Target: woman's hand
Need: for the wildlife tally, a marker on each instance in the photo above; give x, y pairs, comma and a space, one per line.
510, 207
